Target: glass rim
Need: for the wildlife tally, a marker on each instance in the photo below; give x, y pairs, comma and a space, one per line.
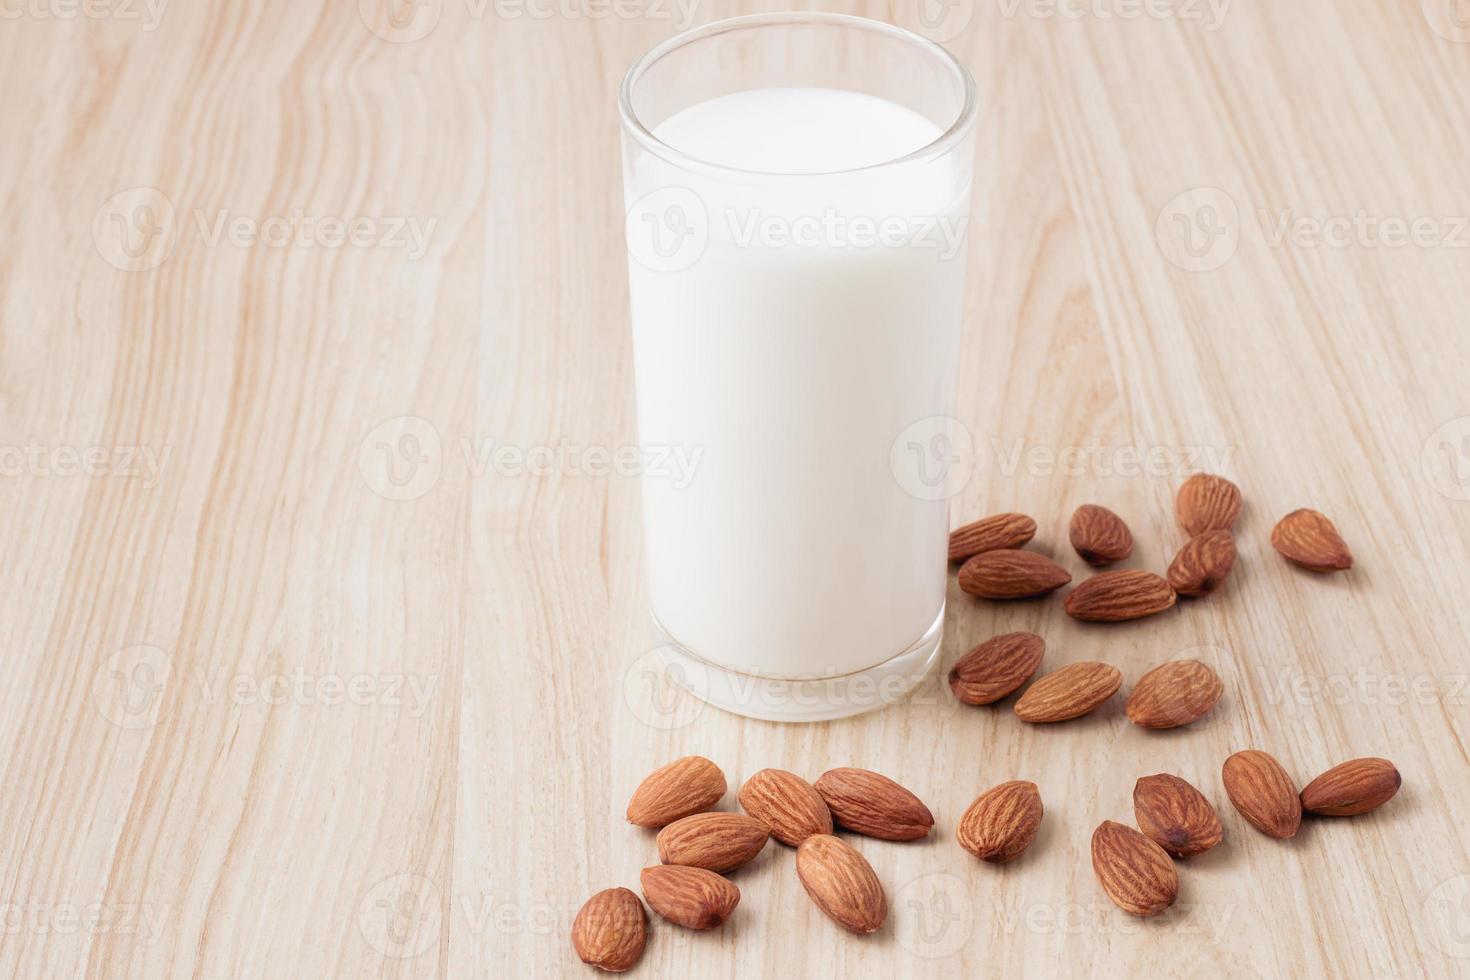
937, 147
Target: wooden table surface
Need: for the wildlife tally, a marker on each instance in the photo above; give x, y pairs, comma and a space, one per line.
326, 633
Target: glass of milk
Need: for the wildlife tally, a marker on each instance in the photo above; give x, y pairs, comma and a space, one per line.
797, 189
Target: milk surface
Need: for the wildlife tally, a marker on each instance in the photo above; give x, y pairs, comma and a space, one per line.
790, 356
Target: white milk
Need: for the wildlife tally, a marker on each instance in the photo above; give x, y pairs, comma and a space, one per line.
791, 369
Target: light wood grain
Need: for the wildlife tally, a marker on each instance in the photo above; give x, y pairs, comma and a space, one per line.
178, 803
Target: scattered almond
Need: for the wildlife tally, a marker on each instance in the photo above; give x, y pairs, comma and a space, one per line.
1135, 872
1309, 539
692, 784
1174, 694
1099, 535
1263, 793
718, 842
1175, 815
787, 804
870, 803
990, 534
1011, 574
842, 883
1203, 564
997, 667
690, 897
1002, 821
610, 930
1069, 693
1207, 503
1125, 593
1352, 788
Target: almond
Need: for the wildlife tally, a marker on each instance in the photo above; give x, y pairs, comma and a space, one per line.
1174, 694
718, 842
996, 667
787, 804
1002, 821
1203, 563
870, 803
842, 883
690, 897
1011, 575
991, 534
1175, 815
692, 784
1069, 693
1099, 535
610, 930
1352, 788
1207, 503
1135, 872
1309, 539
1125, 593
1263, 793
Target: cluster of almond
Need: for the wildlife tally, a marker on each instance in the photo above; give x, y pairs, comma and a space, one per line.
1175, 820
995, 567
698, 847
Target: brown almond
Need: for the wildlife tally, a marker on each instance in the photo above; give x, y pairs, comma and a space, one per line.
1011, 574
610, 930
842, 883
1352, 788
690, 897
1174, 694
870, 803
692, 784
1207, 503
1310, 539
1099, 535
1002, 821
1124, 593
1068, 693
997, 667
1135, 872
1263, 793
990, 534
1175, 815
787, 804
1203, 564
718, 842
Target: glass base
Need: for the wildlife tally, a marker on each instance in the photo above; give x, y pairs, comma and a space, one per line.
806, 699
